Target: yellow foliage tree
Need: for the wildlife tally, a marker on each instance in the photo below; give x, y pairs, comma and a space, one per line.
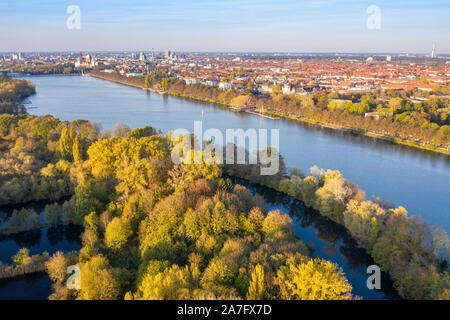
313, 279
257, 284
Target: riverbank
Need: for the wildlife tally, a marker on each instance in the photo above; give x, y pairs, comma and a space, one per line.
387, 234
157, 91
36, 264
387, 138
8, 232
274, 115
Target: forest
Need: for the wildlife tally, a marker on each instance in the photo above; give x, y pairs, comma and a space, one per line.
155, 230
45, 69
12, 92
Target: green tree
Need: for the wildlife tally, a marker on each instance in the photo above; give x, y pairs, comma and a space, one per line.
98, 281
21, 257
117, 233
91, 222
65, 144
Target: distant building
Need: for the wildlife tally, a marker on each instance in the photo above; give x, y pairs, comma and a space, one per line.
211, 83
288, 89
86, 61
142, 57
433, 52
170, 55
192, 81
94, 62
225, 86
133, 74
265, 89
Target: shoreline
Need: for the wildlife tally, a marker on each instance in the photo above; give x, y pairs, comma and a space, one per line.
11, 271
274, 115
43, 74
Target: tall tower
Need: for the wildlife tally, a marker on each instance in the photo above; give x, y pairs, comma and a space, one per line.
433, 52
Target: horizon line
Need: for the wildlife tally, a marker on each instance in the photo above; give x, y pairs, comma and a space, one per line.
231, 52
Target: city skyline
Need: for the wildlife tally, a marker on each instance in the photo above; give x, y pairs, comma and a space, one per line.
233, 26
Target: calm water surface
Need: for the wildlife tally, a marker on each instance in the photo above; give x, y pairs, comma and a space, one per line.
418, 180
35, 286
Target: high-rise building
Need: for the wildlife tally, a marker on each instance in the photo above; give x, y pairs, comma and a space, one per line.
142, 57
433, 52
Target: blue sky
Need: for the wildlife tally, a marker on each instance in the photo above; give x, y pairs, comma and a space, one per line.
226, 25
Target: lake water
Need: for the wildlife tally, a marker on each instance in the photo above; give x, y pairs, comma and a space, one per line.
35, 286
418, 180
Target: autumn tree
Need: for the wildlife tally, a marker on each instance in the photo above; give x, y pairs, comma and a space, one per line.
312, 279
57, 267
76, 150
257, 284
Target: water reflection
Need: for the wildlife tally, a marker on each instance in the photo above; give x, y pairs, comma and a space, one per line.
35, 286
58, 238
26, 239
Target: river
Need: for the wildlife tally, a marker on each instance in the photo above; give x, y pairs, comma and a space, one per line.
416, 179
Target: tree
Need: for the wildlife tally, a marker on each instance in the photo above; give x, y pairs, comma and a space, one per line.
276, 221
164, 84
171, 284
121, 130
21, 257
313, 279
147, 81
53, 214
98, 281
76, 150
257, 284
396, 104
57, 267
91, 222
117, 233
65, 144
